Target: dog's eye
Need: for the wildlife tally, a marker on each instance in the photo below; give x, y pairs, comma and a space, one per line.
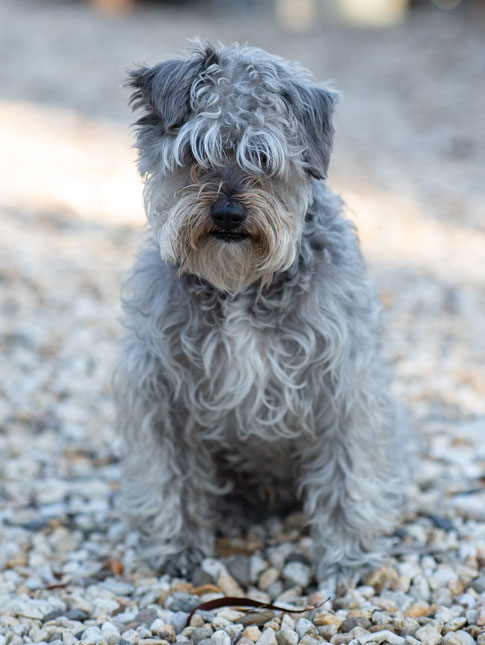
263, 162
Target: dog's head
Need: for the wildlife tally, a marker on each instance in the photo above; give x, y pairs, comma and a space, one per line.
230, 141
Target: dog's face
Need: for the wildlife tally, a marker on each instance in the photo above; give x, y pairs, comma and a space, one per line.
229, 143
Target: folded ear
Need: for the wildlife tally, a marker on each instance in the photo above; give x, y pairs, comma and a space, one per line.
164, 91
313, 107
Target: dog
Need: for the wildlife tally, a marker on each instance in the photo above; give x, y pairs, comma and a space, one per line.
251, 374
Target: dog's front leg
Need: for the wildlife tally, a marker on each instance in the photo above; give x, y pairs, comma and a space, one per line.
346, 486
168, 482
168, 493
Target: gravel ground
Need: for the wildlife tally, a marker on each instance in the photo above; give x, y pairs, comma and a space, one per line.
409, 160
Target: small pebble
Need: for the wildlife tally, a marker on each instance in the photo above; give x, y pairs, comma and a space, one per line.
131, 637
180, 601
231, 615
458, 638
143, 631
267, 578
480, 619
146, 616
110, 633
76, 614
164, 631
326, 619
92, 635
286, 636
454, 624
178, 621
229, 585
428, 635
244, 641
239, 568
233, 631
310, 639
220, 637
200, 634
219, 622
268, 638
257, 565
304, 626
297, 573
380, 637
252, 632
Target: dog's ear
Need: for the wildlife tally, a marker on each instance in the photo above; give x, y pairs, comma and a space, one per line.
313, 107
164, 91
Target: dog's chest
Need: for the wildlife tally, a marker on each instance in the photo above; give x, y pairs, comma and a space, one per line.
251, 380
242, 343
241, 360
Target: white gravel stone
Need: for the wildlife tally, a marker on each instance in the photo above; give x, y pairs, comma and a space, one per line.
454, 624
131, 637
143, 632
303, 626
287, 636
445, 614
118, 587
471, 616
233, 630
297, 573
310, 639
220, 637
267, 578
104, 607
288, 621
163, 631
467, 600
92, 636
212, 567
380, 637
257, 565
17, 640
458, 638
110, 633
231, 615
428, 635
268, 637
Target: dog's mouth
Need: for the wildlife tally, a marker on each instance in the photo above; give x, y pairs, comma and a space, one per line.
226, 236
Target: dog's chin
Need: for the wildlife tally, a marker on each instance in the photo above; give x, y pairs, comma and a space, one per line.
229, 262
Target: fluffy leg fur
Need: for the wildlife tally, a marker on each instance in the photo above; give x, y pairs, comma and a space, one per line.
167, 484
346, 485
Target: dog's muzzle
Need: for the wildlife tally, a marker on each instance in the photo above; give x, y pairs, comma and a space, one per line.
228, 217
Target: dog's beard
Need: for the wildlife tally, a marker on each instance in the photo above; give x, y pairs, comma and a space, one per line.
266, 244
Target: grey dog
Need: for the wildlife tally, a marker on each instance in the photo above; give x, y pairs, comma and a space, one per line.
251, 373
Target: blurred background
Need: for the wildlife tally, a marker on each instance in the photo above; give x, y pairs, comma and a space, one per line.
409, 161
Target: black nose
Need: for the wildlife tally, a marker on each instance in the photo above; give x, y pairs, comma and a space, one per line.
228, 214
